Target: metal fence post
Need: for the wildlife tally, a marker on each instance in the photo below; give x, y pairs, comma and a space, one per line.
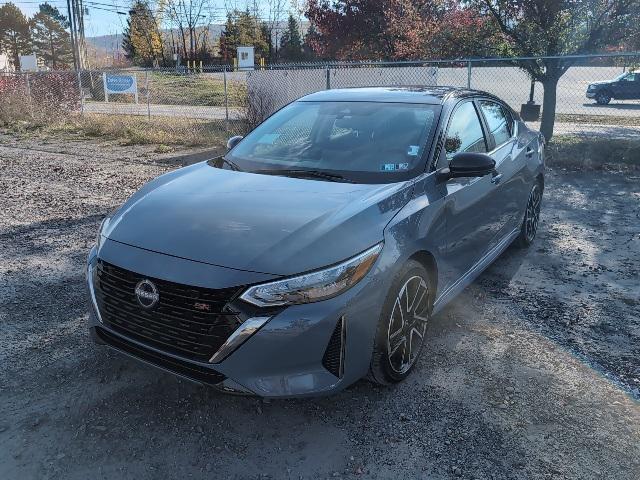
328, 73
226, 98
146, 86
81, 94
469, 74
30, 100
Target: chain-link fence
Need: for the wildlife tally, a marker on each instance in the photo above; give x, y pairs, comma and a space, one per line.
596, 95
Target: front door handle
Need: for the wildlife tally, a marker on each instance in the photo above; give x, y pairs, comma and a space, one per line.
496, 178
529, 153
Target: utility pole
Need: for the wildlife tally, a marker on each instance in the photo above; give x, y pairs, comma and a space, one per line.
72, 35
79, 32
83, 45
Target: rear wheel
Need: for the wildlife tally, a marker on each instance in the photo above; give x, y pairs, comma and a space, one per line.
603, 98
531, 217
402, 325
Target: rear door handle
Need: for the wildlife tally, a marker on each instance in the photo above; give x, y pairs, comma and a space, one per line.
496, 178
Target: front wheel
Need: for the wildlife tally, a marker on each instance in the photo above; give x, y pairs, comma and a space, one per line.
402, 325
529, 226
603, 98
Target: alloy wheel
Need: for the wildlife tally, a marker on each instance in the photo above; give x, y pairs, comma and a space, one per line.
408, 324
532, 214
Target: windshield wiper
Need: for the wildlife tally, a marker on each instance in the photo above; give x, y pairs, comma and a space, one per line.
302, 173
233, 165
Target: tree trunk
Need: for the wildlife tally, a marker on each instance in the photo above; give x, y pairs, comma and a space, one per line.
53, 52
16, 54
549, 107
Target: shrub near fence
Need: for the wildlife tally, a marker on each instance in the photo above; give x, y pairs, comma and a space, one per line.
38, 97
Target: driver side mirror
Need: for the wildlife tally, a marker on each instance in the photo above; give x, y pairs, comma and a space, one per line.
468, 164
233, 141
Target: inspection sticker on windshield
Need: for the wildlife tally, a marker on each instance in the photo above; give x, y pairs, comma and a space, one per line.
392, 167
413, 150
269, 138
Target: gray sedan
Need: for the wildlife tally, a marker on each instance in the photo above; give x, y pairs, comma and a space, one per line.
314, 252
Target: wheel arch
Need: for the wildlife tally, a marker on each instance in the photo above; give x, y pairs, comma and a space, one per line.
428, 261
540, 180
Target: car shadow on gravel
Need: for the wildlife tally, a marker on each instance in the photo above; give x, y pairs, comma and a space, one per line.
577, 284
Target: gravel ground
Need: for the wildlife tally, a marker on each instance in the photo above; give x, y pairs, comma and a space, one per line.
533, 372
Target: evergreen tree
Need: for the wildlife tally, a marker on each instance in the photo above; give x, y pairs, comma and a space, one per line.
127, 44
291, 43
51, 41
243, 29
307, 47
15, 36
142, 41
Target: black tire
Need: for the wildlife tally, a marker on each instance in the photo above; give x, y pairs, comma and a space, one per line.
531, 219
603, 98
411, 281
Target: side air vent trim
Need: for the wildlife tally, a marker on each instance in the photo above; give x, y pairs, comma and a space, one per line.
333, 358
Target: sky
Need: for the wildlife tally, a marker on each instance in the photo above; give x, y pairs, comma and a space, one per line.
98, 22
102, 19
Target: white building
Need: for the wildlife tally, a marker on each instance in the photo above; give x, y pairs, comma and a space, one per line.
6, 65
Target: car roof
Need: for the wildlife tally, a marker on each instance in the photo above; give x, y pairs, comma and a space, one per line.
430, 95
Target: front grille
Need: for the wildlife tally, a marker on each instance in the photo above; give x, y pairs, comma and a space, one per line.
191, 322
187, 369
333, 357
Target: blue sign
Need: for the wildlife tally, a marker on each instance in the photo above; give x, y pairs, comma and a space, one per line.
119, 83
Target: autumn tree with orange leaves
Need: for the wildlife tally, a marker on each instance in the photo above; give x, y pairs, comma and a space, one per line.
398, 29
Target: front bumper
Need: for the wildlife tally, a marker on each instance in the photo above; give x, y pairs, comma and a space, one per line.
591, 94
283, 358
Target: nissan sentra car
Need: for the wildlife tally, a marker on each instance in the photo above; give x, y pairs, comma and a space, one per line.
315, 251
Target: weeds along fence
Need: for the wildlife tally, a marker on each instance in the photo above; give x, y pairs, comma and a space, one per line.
215, 100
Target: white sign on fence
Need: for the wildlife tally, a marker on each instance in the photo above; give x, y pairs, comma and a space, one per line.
245, 58
119, 84
28, 63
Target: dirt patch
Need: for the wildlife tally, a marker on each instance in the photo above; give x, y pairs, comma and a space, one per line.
530, 373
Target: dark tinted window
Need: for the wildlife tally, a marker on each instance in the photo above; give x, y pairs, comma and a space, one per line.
498, 120
465, 132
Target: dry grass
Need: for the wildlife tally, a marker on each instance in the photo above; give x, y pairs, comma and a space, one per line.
621, 120
569, 151
135, 130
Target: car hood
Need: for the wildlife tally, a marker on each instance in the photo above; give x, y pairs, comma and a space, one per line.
260, 223
606, 82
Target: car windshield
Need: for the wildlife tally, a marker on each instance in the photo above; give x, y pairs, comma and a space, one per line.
369, 142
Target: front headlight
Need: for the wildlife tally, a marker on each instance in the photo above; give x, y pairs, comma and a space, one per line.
314, 286
101, 238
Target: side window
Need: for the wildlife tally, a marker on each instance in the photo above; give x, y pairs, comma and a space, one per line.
499, 121
465, 132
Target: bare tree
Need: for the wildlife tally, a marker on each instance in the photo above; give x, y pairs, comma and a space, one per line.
189, 17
